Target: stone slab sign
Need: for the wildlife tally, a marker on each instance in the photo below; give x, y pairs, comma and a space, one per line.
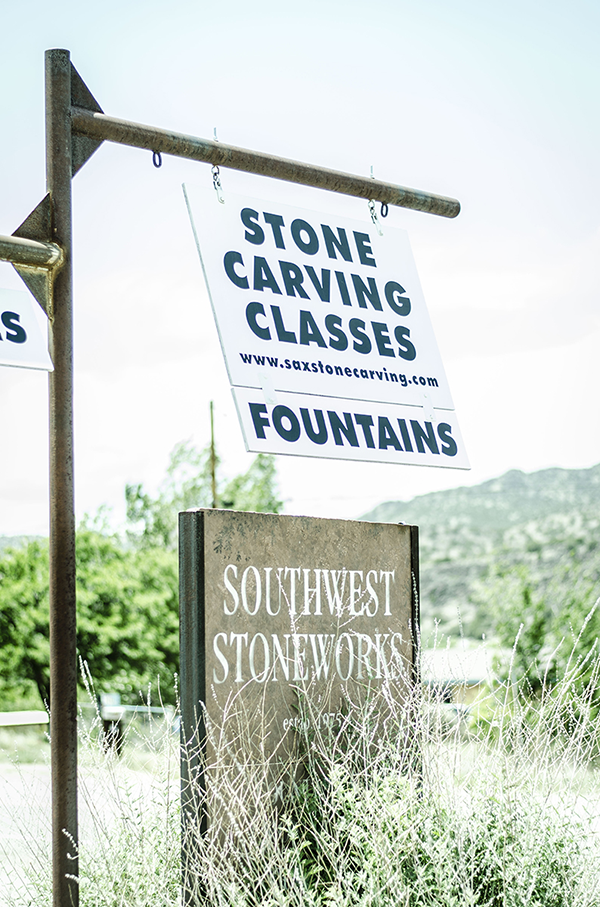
272, 607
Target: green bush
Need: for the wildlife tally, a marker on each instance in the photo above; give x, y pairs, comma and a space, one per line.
127, 614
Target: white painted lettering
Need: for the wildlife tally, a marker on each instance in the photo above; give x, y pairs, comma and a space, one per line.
374, 600
293, 572
335, 599
231, 589
284, 660
338, 655
363, 654
221, 657
268, 593
382, 665
308, 592
355, 593
257, 590
396, 655
238, 638
262, 676
299, 655
387, 574
322, 658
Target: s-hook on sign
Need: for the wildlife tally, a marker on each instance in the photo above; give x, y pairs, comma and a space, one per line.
325, 333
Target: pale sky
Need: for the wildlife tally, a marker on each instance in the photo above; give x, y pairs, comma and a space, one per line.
494, 104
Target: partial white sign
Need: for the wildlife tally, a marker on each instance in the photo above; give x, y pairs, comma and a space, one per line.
316, 426
23, 332
311, 303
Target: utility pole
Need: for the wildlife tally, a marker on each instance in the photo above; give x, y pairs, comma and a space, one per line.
213, 459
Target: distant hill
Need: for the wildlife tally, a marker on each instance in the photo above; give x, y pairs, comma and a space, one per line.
548, 521
498, 504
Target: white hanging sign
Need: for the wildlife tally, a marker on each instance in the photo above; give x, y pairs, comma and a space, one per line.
23, 332
318, 305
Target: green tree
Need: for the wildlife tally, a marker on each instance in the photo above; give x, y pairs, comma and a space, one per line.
548, 629
153, 521
522, 620
127, 594
24, 622
127, 613
577, 637
255, 489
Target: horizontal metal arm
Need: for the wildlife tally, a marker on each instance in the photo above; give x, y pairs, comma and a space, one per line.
30, 252
104, 128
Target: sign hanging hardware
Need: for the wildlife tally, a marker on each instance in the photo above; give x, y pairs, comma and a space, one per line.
157, 159
216, 175
372, 210
374, 217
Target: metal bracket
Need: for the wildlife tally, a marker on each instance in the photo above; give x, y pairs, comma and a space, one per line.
82, 147
38, 277
37, 226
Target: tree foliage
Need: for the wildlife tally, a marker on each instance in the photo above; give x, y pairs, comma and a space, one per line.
547, 630
153, 521
522, 623
188, 483
127, 621
127, 589
254, 490
24, 621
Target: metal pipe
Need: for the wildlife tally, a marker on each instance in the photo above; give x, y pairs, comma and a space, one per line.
63, 638
30, 253
101, 127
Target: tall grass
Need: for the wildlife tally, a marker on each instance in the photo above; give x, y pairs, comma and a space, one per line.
395, 805
416, 810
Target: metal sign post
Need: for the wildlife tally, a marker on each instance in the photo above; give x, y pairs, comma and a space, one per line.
63, 631
40, 250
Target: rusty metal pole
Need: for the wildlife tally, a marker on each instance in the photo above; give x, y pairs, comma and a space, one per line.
102, 128
63, 639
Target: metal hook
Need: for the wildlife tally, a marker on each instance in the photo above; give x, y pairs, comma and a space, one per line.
157, 159
372, 210
374, 217
216, 175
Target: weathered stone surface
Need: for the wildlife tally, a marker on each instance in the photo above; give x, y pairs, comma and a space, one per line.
277, 607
